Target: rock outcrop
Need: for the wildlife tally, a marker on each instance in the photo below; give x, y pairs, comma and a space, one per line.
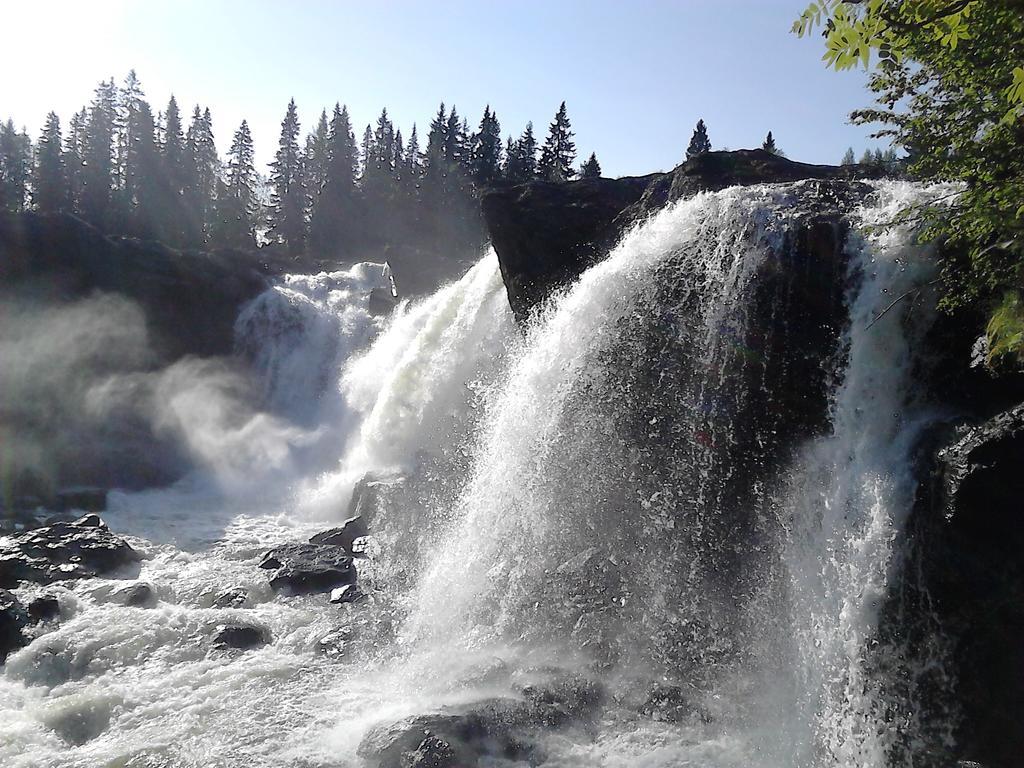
190, 298
970, 557
304, 568
77, 550
547, 234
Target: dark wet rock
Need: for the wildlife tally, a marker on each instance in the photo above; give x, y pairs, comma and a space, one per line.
78, 550
138, 595
488, 728
563, 698
372, 496
432, 752
190, 298
969, 553
235, 597
90, 521
671, 704
82, 498
44, 608
498, 728
382, 301
13, 620
239, 637
547, 234
350, 593
344, 535
304, 568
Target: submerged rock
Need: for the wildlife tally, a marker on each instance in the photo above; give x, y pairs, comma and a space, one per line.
671, 704
467, 733
44, 608
138, 595
498, 728
432, 752
304, 568
235, 597
77, 550
239, 636
13, 620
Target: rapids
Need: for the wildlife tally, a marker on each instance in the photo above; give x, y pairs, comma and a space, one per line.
612, 491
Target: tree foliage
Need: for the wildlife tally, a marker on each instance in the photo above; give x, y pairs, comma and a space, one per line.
950, 91
699, 142
558, 155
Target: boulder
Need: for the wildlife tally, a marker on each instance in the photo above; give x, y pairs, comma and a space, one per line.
350, 593
343, 536
76, 550
498, 728
13, 620
305, 568
482, 729
239, 637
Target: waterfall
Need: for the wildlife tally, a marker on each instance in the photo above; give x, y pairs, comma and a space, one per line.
629, 498
690, 471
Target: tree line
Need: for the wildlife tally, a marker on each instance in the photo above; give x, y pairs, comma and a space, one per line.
130, 171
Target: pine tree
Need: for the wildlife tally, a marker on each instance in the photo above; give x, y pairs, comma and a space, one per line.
50, 193
366, 152
699, 142
591, 169
454, 140
128, 98
317, 157
332, 220
15, 167
486, 155
521, 163
173, 145
97, 177
237, 205
144, 182
288, 200
769, 145
74, 150
559, 152
413, 164
868, 158
849, 158
202, 171
437, 137
878, 158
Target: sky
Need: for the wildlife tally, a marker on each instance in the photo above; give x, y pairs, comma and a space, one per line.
636, 74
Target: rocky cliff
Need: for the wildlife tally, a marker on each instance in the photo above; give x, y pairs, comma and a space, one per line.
547, 234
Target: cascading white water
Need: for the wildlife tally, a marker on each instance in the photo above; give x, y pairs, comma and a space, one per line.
605, 500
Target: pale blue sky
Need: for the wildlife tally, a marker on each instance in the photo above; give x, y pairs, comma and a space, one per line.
636, 75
